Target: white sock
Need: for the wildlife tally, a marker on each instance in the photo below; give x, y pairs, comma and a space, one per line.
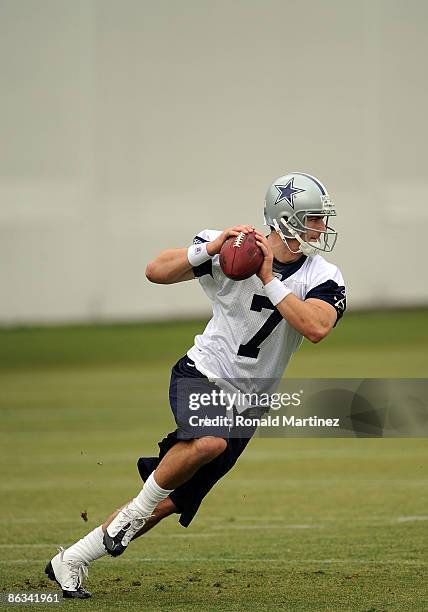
87, 549
149, 497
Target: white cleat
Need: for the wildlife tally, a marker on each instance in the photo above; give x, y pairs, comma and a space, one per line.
122, 529
69, 575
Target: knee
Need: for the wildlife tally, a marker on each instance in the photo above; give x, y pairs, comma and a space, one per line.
210, 447
165, 508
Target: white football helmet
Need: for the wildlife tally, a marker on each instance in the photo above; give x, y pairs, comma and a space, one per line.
289, 201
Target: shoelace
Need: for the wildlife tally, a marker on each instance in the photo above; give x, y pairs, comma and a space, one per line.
134, 520
131, 516
78, 569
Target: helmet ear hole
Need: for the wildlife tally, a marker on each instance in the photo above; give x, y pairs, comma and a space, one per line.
290, 221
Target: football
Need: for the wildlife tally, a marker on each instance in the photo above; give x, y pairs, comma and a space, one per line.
240, 256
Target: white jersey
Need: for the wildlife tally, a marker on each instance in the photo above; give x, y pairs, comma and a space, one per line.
247, 338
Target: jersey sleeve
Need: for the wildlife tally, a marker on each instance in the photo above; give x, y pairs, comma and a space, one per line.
328, 285
209, 274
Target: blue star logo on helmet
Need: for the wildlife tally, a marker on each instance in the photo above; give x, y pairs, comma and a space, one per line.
287, 192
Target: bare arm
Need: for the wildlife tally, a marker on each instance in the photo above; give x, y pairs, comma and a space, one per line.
313, 318
172, 266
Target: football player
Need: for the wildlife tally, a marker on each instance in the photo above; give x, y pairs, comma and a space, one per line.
257, 325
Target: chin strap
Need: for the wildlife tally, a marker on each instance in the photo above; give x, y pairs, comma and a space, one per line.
305, 247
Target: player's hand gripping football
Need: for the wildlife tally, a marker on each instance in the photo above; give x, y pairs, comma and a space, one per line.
214, 247
265, 273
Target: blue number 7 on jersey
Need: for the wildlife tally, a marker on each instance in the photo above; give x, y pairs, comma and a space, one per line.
252, 348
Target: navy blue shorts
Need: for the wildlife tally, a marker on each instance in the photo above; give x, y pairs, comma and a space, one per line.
188, 497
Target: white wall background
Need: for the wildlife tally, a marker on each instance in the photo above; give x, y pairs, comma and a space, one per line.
128, 125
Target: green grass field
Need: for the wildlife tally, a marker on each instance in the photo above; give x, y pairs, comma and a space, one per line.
299, 524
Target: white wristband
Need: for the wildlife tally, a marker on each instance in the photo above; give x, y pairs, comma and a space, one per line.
197, 254
276, 291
